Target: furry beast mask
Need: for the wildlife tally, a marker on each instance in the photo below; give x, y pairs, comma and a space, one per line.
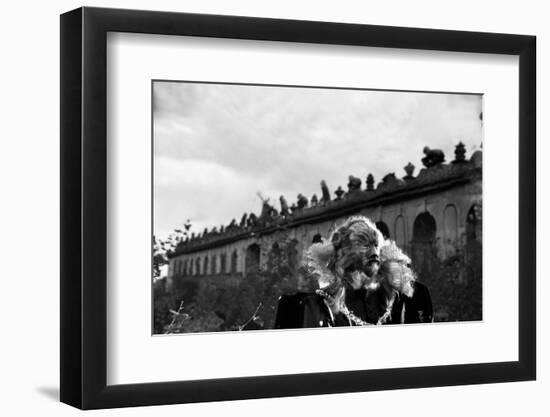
351, 255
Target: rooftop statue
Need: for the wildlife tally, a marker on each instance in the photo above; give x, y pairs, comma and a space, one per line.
302, 201
339, 193
314, 200
370, 182
433, 157
326, 193
285, 211
409, 170
354, 184
252, 220
268, 211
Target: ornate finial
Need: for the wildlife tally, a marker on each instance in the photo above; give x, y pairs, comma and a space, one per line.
314, 200
293, 208
339, 193
222, 229
205, 232
326, 193
354, 184
409, 170
370, 182
460, 153
243, 220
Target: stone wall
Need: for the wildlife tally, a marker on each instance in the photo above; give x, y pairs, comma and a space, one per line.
428, 216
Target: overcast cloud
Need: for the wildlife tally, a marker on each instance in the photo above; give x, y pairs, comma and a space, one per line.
216, 146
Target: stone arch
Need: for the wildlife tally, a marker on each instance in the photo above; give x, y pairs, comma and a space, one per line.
424, 251
473, 224
317, 238
223, 263
205, 265
274, 256
276, 250
292, 253
400, 232
197, 266
424, 228
252, 258
450, 229
383, 227
234, 262
474, 249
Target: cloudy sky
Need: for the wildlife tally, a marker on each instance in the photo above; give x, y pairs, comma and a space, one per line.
216, 146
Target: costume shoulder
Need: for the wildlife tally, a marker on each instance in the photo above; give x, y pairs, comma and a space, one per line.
420, 304
301, 310
421, 292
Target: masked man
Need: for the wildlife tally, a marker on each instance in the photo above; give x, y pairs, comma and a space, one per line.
345, 266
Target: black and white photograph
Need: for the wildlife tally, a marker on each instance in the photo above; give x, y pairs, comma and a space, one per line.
280, 208
287, 207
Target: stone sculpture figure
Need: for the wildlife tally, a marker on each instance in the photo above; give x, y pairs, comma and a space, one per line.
339, 193
354, 184
302, 201
268, 211
409, 170
326, 192
252, 220
314, 200
433, 157
285, 211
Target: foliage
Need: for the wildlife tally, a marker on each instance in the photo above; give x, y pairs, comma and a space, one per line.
235, 303
162, 248
455, 283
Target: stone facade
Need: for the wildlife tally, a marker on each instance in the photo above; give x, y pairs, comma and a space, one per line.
436, 211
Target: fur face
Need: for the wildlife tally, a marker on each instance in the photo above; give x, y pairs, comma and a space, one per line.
350, 256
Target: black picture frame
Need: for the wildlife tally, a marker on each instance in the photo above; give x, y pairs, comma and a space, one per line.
84, 207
